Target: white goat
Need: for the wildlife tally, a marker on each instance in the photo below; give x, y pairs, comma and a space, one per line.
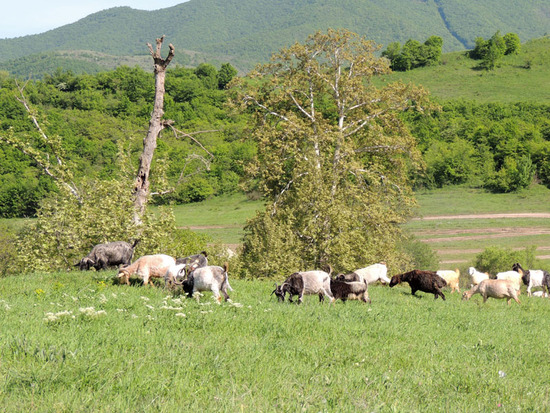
496, 289
452, 278
476, 277
510, 275
146, 267
370, 274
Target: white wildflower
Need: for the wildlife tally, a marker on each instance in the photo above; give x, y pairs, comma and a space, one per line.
121, 310
145, 298
102, 299
180, 315
150, 307
134, 316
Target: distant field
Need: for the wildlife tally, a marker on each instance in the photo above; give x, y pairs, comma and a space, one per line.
522, 77
74, 342
457, 241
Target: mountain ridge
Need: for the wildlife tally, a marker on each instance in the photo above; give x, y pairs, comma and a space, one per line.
246, 32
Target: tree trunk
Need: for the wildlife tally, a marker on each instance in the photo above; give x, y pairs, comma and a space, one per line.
156, 124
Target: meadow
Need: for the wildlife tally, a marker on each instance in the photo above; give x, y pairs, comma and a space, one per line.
76, 342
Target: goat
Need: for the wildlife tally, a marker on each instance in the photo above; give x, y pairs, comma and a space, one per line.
304, 283
510, 275
209, 278
452, 278
496, 289
172, 274
193, 262
370, 274
533, 278
106, 255
427, 281
146, 267
353, 290
476, 277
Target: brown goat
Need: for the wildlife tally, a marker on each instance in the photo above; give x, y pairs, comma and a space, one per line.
419, 280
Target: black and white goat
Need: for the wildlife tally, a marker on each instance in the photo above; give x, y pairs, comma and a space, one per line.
533, 279
305, 283
209, 278
350, 290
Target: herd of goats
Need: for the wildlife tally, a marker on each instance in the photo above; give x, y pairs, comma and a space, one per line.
194, 275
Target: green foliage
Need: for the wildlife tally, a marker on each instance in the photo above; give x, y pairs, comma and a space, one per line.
513, 44
498, 146
491, 51
319, 164
66, 228
512, 176
495, 259
413, 54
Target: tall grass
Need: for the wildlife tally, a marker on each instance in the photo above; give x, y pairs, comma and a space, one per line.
117, 348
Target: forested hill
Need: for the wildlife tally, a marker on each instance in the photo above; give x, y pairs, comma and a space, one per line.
245, 32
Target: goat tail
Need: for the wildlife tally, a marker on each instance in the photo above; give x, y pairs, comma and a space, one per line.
226, 277
136, 242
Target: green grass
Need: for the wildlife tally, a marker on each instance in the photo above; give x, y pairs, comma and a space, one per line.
457, 77
400, 353
222, 218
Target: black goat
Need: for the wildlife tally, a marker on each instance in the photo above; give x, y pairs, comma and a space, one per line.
427, 281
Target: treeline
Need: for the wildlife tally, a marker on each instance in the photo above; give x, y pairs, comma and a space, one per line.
501, 147
99, 115
414, 54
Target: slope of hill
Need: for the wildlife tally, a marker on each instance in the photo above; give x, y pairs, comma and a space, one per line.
517, 78
247, 31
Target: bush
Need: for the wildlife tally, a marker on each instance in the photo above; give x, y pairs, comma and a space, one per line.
495, 259
514, 175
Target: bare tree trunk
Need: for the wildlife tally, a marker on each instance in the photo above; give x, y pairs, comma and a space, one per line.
156, 124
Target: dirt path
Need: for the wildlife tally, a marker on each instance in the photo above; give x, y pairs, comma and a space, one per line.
486, 216
484, 233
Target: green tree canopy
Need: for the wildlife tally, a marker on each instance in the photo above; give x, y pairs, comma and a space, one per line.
333, 157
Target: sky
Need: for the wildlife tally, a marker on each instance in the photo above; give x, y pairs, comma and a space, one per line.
25, 17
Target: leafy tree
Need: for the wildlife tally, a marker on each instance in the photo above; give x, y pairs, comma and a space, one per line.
513, 44
414, 54
333, 157
208, 74
225, 74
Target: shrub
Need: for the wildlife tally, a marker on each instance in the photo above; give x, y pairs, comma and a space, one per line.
496, 259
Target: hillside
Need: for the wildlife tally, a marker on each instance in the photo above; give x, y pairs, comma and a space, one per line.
245, 32
518, 78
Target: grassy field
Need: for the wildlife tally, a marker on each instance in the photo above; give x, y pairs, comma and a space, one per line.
74, 342
522, 77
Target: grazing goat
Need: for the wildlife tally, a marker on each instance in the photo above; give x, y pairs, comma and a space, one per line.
476, 277
353, 290
370, 274
427, 281
209, 278
173, 274
496, 289
304, 283
510, 275
146, 267
451, 277
106, 255
194, 261
533, 278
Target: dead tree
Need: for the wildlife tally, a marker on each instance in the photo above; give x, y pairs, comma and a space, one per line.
156, 125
